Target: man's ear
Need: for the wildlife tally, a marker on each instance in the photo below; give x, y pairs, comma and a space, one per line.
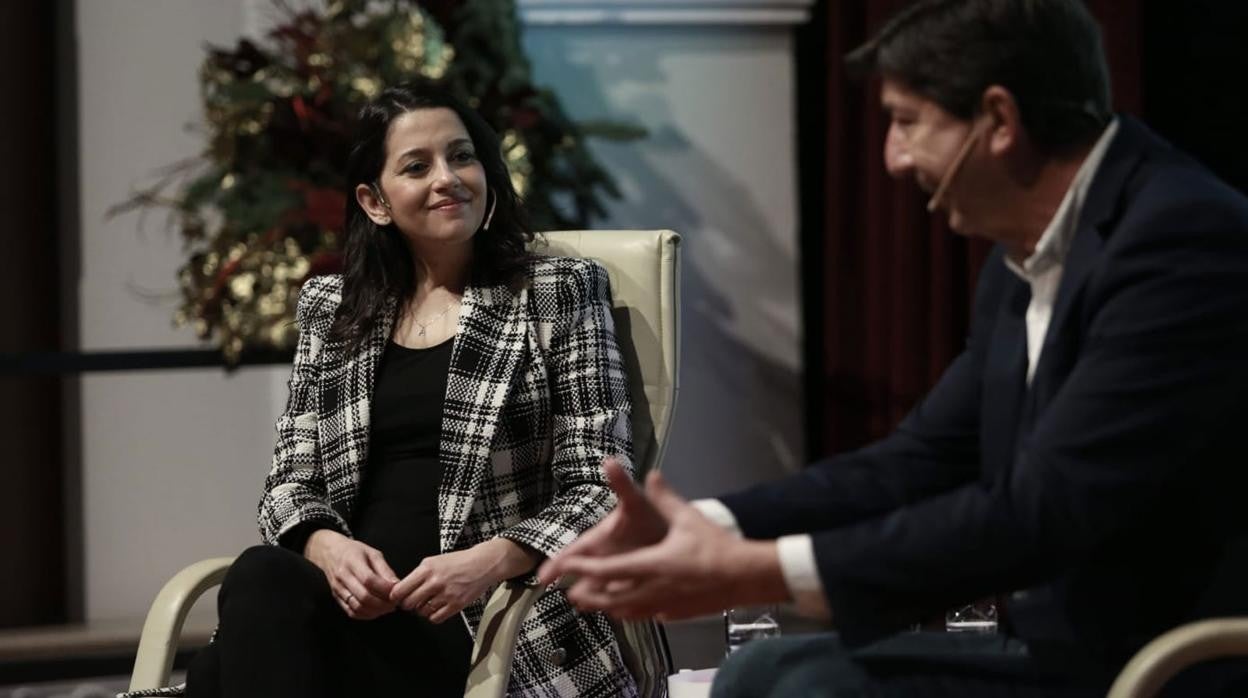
1005, 130
373, 203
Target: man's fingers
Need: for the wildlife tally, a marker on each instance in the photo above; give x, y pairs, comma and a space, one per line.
644, 599
634, 565
662, 496
616, 586
591, 543
548, 571
622, 483
634, 604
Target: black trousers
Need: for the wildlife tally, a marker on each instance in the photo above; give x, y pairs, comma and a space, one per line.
282, 634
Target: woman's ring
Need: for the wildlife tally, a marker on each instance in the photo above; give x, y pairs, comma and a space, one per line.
349, 598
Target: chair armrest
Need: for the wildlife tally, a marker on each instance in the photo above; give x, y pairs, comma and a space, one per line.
495, 645
163, 628
1167, 655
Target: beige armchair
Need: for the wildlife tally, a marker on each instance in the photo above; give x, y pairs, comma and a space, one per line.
644, 269
1163, 658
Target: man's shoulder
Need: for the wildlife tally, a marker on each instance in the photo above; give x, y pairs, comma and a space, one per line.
1150, 199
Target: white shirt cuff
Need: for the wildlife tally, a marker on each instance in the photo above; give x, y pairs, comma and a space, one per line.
718, 513
801, 575
797, 560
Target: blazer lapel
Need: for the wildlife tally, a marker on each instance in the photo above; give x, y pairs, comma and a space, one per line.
1005, 376
1100, 211
489, 344
346, 395
1060, 345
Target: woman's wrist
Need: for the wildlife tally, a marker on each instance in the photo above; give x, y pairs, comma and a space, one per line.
318, 544
508, 559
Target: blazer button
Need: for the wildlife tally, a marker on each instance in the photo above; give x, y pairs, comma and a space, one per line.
557, 656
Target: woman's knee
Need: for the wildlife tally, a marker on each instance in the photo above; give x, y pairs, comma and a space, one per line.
267, 578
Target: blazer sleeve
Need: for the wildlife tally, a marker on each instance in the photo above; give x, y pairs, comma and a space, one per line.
590, 411
294, 490
1149, 405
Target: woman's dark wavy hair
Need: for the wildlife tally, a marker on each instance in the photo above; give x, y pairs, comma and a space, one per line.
378, 265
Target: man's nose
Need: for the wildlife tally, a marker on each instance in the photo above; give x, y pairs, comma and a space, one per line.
897, 158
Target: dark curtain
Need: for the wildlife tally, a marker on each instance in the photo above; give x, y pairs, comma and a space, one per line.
32, 530
888, 287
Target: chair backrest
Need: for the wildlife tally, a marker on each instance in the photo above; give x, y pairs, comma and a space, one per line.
644, 266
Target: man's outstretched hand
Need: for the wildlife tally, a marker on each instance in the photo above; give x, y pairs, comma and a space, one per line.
633, 524
657, 555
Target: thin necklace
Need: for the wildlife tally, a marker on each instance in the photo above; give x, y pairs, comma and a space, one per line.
424, 326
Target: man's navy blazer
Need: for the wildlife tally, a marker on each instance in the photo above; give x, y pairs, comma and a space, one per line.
1109, 498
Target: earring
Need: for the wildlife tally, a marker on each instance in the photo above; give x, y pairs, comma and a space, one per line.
490, 216
380, 197
376, 187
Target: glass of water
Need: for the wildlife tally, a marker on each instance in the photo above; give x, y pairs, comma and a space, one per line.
979, 617
745, 623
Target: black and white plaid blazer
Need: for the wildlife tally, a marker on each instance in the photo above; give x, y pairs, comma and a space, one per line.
537, 396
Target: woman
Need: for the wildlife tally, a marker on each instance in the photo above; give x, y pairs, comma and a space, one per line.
451, 402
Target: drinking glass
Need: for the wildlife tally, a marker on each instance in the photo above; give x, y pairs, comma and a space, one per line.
978, 617
745, 623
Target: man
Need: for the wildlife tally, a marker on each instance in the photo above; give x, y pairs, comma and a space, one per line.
1081, 456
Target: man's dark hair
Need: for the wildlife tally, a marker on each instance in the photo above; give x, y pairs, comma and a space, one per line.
1047, 53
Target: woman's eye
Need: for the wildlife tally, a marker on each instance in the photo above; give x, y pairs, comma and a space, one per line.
416, 168
464, 156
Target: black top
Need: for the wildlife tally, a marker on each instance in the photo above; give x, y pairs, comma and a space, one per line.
397, 510
397, 513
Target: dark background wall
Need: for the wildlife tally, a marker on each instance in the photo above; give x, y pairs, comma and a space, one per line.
32, 531
1194, 83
